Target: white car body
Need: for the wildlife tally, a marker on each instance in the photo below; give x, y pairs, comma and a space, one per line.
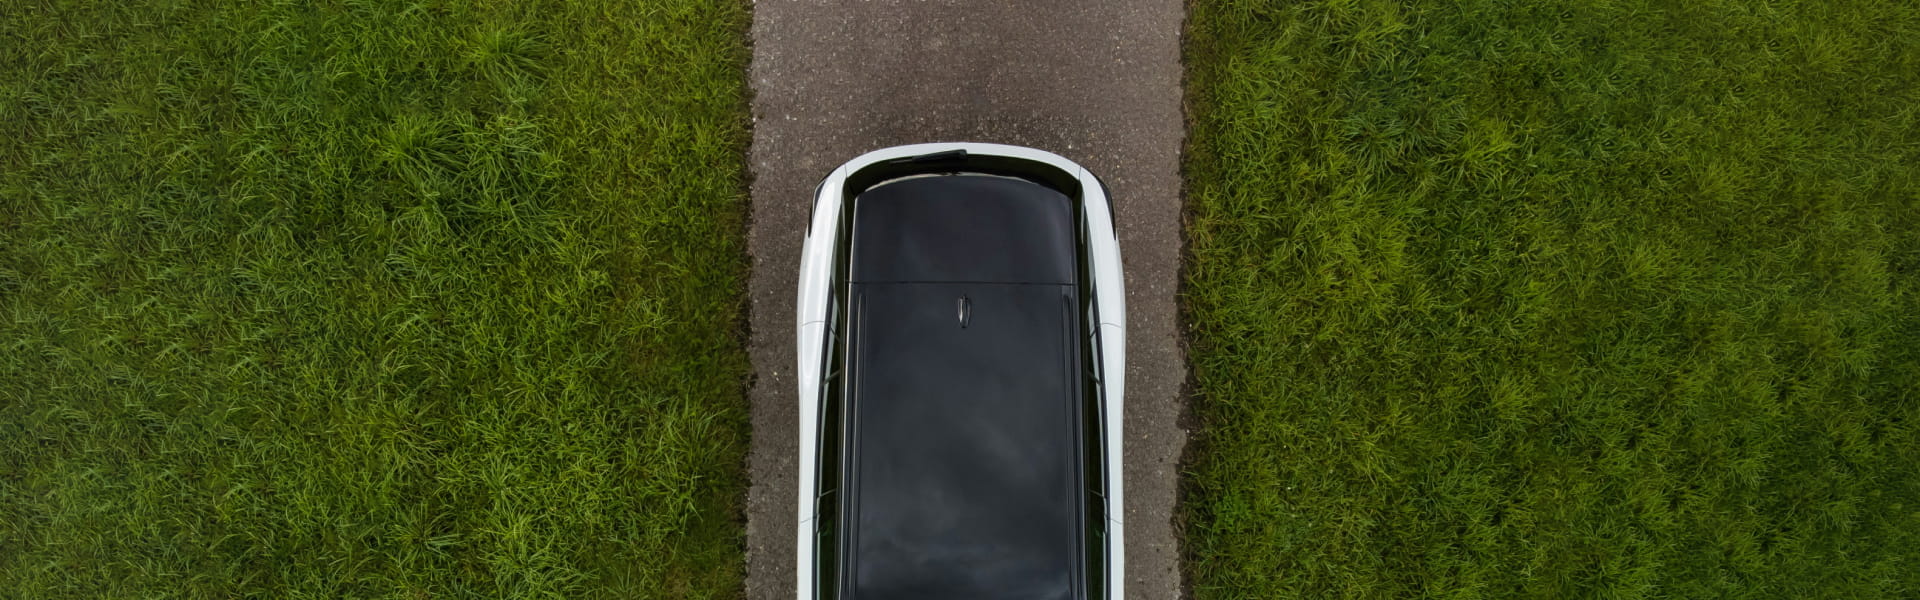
821, 256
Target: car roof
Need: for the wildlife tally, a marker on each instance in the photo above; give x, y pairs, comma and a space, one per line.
962, 475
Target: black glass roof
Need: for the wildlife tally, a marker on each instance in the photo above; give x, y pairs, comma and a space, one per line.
962, 466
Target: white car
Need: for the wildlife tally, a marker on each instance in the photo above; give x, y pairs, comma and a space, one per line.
961, 358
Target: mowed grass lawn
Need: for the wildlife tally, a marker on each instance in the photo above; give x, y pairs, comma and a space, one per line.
1583, 300
371, 299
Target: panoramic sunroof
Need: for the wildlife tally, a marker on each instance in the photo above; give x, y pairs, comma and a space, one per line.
964, 475
963, 410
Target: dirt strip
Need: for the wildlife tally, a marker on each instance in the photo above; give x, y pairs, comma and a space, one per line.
1097, 82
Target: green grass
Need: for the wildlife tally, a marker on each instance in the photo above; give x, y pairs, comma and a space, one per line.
357, 299
1598, 300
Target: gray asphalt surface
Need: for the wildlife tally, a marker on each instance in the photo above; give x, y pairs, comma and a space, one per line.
1097, 82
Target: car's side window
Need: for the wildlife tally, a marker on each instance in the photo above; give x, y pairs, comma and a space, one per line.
826, 500
1093, 419
1096, 501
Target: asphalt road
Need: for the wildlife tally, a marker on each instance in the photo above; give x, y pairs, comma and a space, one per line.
1095, 81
